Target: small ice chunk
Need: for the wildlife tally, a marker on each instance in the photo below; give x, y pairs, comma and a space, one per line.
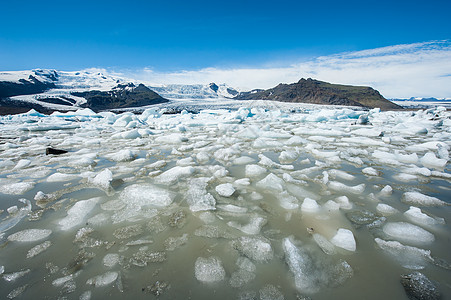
370, 171
38, 249
386, 191
341, 187
232, 208
409, 233
344, 238
386, 209
174, 174
253, 227
324, 244
174, 138
197, 196
341, 174
409, 257
209, 269
288, 201
415, 215
23, 163
429, 160
254, 171
77, 213
416, 198
110, 260
225, 190
287, 157
12, 210
404, 177
145, 194
271, 182
29, 235
310, 205
243, 160
104, 279
188, 161
332, 205
256, 248
242, 181
122, 155
270, 292
103, 179
344, 203
17, 188
60, 177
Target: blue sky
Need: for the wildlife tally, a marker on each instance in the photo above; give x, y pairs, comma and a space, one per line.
402, 48
175, 35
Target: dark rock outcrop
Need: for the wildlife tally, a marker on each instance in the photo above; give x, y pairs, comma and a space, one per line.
29, 86
319, 92
122, 96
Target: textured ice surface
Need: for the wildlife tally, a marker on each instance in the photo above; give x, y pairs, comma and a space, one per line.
256, 248
209, 269
30, 235
417, 198
144, 195
409, 233
104, 279
225, 190
344, 238
77, 213
224, 183
409, 257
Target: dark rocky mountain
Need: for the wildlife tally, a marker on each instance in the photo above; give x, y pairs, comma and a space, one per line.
319, 92
122, 96
36, 83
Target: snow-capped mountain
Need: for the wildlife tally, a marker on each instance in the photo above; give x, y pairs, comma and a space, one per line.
48, 90
195, 91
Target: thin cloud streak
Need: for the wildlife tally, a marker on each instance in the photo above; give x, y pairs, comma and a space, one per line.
400, 71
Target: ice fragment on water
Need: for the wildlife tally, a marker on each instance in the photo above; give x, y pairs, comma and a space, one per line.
344, 203
38, 249
128, 231
386, 209
17, 188
29, 235
17, 291
209, 269
110, 260
243, 160
174, 174
60, 177
344, 238
370, 171
172, 243
429, 160
324, 244
287, 157
254, 171
197, 196
86, 296
416, 198
77, 213
408, 233
140, 195
386, 191
253, 227
417, 216
23, 163
103, 179
418, 286
408, 256
272, 183
16, 275
255, 248
225, 190
270, 292
338, 186
104, 279
310, 205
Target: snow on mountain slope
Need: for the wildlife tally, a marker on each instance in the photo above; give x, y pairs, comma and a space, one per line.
195, 91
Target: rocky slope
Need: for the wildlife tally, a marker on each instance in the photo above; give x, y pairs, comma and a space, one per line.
319, 92
121, 96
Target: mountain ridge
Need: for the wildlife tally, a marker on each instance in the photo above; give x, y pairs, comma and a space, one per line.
320, 92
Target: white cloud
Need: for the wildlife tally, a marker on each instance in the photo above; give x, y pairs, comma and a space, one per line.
400, 71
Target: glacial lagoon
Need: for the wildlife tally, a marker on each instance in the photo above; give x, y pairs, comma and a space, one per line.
253, 203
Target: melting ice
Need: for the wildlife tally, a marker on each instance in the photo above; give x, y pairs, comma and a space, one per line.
300, 201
